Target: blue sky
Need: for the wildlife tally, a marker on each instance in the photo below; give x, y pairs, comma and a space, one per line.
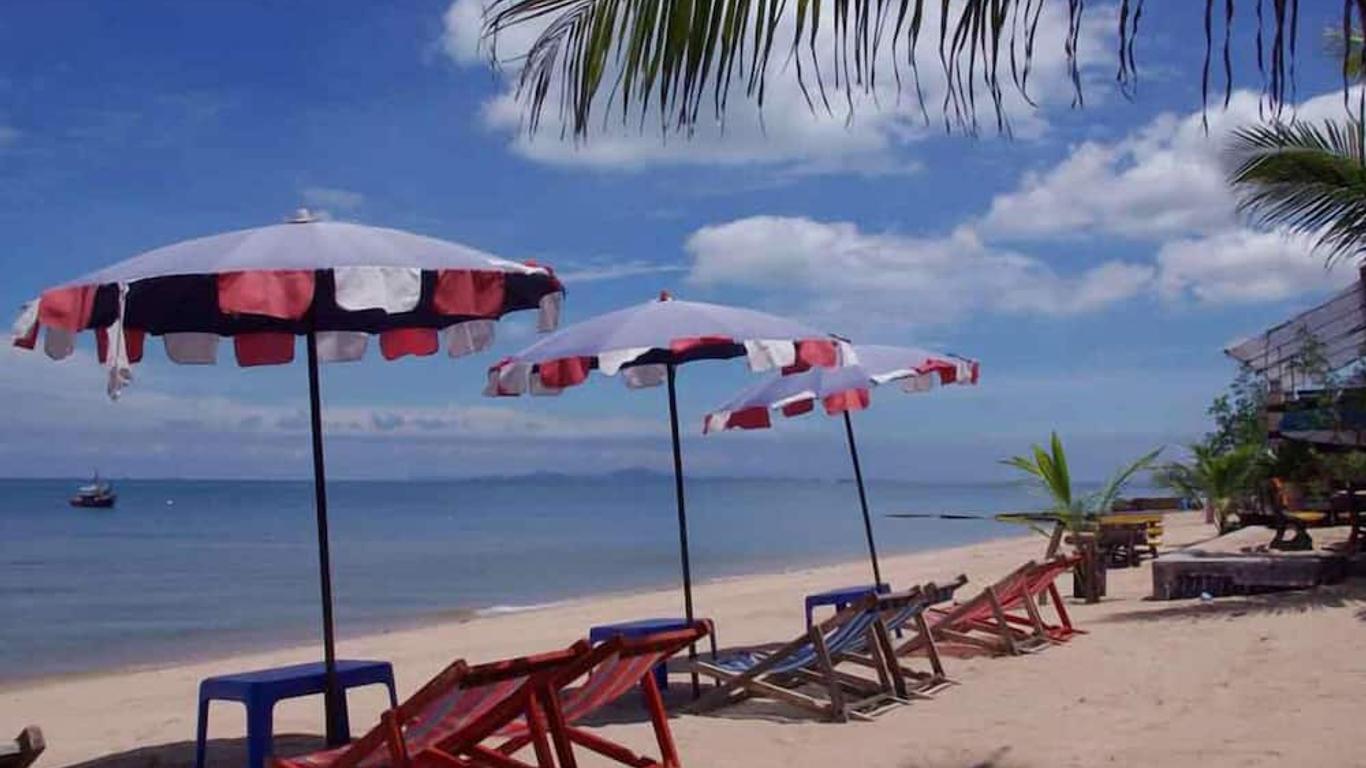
1093, 263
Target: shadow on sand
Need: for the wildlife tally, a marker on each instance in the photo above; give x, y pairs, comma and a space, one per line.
1348, 594
222, 753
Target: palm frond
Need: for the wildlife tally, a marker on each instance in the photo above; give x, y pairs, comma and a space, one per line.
668, 56
1308, 178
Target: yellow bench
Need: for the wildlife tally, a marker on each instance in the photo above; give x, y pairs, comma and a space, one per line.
1152, 519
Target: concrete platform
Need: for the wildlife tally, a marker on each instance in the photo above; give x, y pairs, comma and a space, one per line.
1189, 573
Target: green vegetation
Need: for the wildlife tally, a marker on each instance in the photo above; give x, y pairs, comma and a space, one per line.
679, 63
1049, 470
1218, 478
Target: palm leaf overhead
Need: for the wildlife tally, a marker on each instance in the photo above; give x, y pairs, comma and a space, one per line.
681, 59
1308, 178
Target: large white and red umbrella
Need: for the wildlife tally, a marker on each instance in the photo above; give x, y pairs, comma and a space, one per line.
334, 283
841, 391
645, 344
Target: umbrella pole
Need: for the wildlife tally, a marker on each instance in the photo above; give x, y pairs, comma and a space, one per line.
335, 706
862, 498
682, 518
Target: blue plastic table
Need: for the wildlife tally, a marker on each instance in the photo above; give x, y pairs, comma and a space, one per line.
840, 598
642, 627
258, 691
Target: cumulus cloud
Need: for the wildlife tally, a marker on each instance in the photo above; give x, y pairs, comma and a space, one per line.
599, 271
1243, 266
787, 133
1167, 179
844, 271
47, 396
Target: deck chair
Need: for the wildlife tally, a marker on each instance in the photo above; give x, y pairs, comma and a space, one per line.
605, 675
24, 749
1043, 580
981, 625
897, 616
1005, 618
911, 619
452, 719
811, 659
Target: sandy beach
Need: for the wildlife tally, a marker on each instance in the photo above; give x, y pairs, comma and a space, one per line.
1266, 680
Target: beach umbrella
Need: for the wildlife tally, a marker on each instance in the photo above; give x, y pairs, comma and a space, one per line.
333, 283
645, 344
841, 391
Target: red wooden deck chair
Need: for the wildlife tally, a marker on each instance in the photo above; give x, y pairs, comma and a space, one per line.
981, 624
1043, 580
461, 709
604, 675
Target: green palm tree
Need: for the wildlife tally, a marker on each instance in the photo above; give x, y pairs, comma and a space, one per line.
1217, 479
1049, 470
675, 56
1307, 178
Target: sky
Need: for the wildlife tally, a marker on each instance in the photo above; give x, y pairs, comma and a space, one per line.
1094, 262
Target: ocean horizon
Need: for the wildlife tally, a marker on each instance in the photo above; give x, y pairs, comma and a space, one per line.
186, 569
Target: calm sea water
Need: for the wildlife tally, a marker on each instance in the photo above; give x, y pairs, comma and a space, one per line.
182, 569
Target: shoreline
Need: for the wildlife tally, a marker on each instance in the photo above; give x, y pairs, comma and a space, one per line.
254, 644
1210, 677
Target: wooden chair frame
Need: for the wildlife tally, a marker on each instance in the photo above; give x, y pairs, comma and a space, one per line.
846, 695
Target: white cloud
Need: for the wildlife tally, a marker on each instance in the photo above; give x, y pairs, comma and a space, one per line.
332, 198
847, 273
593, 272
1243, 266
787, 134
1167, 179
56, 396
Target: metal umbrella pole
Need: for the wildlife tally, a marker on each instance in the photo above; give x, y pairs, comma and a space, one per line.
682, 517
335, 706
862, 499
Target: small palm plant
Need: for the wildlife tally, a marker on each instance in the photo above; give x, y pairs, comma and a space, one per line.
1070, 512
1217, 478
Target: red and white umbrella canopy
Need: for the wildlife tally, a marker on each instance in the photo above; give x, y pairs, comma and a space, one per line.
843, 389
640, 341
342, 282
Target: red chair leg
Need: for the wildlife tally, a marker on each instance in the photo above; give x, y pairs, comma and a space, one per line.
1058, 606
559, 729
654, 703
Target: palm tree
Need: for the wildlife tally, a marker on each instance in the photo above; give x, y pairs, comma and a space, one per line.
1217, 479
1307, 178
1049, 470
671, 56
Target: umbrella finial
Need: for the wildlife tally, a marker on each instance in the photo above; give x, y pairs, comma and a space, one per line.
302, 216
666, 296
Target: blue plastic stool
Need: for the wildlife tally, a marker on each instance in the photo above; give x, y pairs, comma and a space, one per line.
841, 598
258, 691
642, 627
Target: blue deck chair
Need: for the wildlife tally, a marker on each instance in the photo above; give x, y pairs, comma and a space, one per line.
810, 661
905, 614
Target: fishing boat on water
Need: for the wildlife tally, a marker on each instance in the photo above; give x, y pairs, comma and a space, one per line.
97, 494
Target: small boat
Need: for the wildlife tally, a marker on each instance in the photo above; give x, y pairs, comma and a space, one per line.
98, 494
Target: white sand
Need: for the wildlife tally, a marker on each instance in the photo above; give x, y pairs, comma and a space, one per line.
1272, 680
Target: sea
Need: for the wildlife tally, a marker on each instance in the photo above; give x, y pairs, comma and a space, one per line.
186, 569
